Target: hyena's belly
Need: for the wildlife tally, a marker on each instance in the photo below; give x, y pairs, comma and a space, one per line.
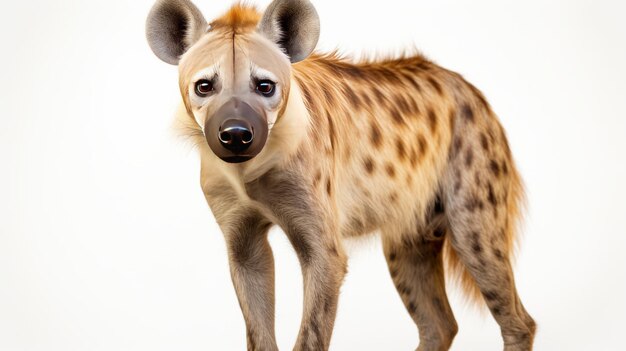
386, 194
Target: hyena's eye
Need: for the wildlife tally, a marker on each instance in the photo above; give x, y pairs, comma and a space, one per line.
266, 87
204, 87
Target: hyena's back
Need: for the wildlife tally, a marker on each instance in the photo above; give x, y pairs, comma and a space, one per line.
407, 145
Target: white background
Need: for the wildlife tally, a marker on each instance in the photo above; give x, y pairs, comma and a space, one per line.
106, 242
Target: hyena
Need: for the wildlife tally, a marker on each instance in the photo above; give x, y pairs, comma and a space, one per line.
328, 149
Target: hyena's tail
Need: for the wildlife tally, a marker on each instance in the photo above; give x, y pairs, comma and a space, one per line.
456, 270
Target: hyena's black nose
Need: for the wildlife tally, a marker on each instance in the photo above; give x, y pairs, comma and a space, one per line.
236, 135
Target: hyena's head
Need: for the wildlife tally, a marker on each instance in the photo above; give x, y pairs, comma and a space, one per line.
235, 72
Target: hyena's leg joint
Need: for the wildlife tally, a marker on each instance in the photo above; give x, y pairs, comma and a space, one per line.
416, 268
252, 272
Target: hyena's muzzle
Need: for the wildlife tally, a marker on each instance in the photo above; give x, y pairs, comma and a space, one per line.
237, 131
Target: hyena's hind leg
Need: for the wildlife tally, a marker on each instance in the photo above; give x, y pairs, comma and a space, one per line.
416, 267
482, 194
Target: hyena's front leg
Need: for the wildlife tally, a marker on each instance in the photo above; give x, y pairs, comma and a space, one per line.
323, 269
314, 234
252, 272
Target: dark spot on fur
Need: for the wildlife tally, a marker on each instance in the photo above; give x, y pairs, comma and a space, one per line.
375, 135
467, 112
477, 248
412, 82
328, 187
402, 104
435, 84
389, 75
393, 197
411, 307
432, 120
505, 168
393, 272
499, 255
491, 196
403, 289
401, 150
469, 157
495, 168
421, 66
369, 165
382, 100
473, 203
491, 295
392, 256
352, 97
391, 170
497, 310
484, 142
397, 117
356, 224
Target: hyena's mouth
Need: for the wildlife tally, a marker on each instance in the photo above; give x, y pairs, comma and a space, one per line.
236, 159
236, 132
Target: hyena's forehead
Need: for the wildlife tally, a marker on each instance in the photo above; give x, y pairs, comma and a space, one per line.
250, 49
233, 40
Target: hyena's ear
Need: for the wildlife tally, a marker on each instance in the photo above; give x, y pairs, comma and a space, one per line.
292, 24
172, 27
